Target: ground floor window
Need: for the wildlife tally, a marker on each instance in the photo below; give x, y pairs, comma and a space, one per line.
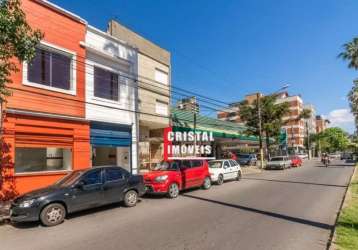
42, 159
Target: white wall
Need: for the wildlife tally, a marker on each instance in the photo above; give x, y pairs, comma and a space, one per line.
108, 53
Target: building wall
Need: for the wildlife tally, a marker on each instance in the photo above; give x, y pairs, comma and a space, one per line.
154, 95
151, 91
33, 132
64, 32
108, 53
38, 116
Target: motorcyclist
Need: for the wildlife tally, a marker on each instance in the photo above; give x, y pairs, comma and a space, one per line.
325, 158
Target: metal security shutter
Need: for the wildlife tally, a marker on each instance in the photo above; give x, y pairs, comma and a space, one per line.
110, 135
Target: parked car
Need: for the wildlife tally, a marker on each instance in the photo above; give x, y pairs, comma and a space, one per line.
170, 177
247, 159
79, 190
303, 156
296, 161
222, 170
279, 162
347, 156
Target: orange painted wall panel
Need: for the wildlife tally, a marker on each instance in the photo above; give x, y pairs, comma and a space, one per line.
77, 134
62, 31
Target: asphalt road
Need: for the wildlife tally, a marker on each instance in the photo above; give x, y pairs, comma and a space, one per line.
291, 209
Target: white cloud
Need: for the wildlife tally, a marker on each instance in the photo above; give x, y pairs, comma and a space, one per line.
342, 118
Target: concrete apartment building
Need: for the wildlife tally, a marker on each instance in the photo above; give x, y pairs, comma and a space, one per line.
321, 124
295, 128
154, 85
188, 104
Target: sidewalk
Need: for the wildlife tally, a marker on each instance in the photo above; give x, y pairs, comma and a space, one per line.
251, 170
4, 211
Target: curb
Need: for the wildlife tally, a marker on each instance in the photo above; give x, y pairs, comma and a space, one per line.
332, 236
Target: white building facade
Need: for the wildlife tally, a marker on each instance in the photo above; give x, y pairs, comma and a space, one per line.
111, 100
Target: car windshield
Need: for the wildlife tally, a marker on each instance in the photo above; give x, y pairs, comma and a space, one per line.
244, 156
215, 164
69, 179
277, 159
167, 166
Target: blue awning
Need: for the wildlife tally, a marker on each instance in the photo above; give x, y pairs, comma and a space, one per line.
110, 135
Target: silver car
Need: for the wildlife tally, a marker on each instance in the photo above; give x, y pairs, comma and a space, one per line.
279, 162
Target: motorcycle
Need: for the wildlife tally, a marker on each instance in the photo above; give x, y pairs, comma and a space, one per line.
325, 162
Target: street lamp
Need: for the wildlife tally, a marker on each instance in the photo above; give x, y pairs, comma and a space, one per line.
260, 122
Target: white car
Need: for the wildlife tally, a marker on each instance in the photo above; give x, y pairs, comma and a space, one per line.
279, 162
222, 170
303, 156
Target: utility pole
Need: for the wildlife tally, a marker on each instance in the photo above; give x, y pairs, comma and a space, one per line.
308, 140
260, 130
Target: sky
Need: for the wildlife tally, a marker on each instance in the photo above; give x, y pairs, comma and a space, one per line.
226, 49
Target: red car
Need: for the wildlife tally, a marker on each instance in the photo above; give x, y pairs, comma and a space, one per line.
296, 161
169, 177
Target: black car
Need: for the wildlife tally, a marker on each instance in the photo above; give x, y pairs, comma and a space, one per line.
79, 190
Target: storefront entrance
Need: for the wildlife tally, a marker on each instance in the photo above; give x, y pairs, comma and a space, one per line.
111, 144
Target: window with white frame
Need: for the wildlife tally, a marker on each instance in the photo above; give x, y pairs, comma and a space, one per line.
51, 68
161, 76
161, 108
106, 84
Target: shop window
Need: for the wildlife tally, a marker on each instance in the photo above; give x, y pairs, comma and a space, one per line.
42, 159
105, 84
51, 69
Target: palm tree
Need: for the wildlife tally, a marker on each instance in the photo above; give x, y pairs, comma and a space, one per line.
350, 53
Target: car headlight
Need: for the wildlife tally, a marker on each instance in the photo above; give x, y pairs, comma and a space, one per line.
27, 203
161, 178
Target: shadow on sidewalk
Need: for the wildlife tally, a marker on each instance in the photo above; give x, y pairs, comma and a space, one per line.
268, 213
296, 182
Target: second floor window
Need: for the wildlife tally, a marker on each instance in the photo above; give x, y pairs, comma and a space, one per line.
50, 69
106, 84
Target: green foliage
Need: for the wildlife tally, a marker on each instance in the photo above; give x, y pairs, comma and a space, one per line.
332, 140
350, 53
353, 99
17, 40
271, 113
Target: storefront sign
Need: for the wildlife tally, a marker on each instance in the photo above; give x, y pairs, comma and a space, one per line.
187, 144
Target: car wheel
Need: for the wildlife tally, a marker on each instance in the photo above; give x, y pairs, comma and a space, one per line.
220, 179
207, 183
239, 176
53, 214
173, 191
130, 198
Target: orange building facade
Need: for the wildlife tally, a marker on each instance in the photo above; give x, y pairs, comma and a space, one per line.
44, 126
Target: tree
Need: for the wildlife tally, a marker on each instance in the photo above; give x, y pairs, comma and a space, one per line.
271, 117
17, 39
350, 53
353, 100
333, 140
18, 42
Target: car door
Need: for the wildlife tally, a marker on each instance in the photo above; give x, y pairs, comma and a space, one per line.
234, 169
199, 172
89, 193
227, 170
114, 185
188, 174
